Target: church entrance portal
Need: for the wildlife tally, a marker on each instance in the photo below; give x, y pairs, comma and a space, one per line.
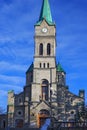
19, 123
42, 116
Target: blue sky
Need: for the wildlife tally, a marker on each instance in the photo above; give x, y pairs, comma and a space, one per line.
17, 19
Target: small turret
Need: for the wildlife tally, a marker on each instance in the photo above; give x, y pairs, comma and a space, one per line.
60, 75
82, 94
11, 97
11, 103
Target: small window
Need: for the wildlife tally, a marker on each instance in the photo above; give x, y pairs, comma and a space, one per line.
72, 112
47, 65
71, 100
44, 65
44, 90
19, 100
48, 49
41, 49
19, 112
40, 65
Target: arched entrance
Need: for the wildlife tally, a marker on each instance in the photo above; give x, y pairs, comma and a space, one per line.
19, 123
42, 116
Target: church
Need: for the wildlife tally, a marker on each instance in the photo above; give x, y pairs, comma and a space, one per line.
45, 94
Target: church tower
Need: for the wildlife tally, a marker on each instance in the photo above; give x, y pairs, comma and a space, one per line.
44, 71
45, 93
44, 68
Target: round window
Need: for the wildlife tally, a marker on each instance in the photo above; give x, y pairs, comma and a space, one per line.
72, 112
19, 113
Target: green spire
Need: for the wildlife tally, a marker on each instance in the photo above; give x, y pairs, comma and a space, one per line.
45, 13
59, 68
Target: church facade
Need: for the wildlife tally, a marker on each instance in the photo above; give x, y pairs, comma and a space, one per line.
45, 94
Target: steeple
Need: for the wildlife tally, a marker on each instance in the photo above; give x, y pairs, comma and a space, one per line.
45, 13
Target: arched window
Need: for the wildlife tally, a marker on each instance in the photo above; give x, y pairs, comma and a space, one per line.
40, 65
44, 65
19, 99
48, 49
41, 49
47, 65
19, 123
44, 111
44, 92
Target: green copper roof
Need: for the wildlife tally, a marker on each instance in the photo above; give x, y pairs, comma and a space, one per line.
10, 91
30, 68
59, 68
45, 13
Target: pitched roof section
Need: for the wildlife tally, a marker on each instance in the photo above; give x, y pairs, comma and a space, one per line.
59, 68
45, 13
30, 69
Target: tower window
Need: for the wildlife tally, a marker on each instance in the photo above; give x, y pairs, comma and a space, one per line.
44, 65
72, 112
71, 100
44, 92
19, 100
40, 65
41, 49
48, 49
47, 65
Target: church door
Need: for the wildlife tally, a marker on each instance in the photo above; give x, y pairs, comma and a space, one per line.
19, 123
42, 116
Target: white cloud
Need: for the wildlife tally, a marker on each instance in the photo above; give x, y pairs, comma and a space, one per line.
15, 80
8, 66
7, 87
3, 93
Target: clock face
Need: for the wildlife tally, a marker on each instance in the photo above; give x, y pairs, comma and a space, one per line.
44, 30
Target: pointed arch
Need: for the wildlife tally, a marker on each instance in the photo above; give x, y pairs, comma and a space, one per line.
47, 65
40, 65
41, 49
44, 90
48, 49
44, 65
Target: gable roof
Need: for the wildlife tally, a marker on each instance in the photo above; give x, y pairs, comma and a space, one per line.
30, 69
